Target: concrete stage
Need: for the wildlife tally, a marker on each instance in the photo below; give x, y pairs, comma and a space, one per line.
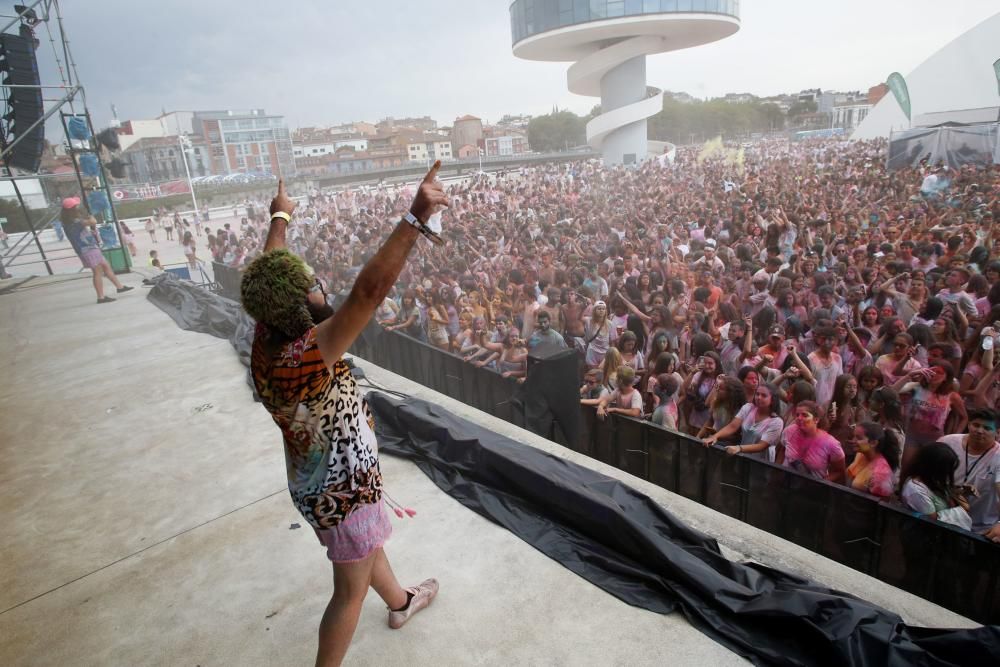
146, 521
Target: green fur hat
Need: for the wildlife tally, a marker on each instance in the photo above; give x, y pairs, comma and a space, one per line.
274, 290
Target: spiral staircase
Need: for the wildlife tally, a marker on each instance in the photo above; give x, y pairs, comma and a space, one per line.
610, 57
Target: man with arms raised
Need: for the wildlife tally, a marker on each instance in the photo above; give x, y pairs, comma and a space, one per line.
330, 450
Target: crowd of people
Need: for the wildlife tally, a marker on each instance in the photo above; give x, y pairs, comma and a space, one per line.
799, 304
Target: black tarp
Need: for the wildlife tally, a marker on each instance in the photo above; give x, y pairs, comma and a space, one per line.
624, 542
196, 309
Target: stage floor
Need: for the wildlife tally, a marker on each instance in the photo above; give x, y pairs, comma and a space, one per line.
146, 521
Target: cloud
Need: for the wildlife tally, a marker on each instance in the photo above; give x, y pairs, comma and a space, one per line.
320, 62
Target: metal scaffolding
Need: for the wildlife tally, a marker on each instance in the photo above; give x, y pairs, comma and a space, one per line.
29, 249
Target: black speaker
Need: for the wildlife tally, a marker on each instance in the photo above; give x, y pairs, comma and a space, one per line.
24, 105
117, 167
108, 138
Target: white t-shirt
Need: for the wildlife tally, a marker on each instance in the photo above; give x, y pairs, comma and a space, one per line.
984, 476
766, 430
919, 498
960, 300
632, 401
826, 374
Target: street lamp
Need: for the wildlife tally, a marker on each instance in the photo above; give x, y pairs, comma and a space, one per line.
185, 144
480, 159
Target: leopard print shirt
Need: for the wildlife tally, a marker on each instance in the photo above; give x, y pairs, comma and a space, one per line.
331, 456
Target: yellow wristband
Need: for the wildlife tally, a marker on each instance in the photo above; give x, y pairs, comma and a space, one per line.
281, 214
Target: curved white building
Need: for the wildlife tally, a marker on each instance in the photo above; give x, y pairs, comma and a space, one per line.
609, 40
956, 84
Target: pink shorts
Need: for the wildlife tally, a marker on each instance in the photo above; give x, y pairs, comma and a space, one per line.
358, 536
92, 258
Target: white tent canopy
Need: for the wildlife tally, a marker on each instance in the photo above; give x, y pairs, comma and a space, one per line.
957, 84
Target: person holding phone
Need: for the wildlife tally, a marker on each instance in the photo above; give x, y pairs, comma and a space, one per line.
307, 387
933, 400
696, 390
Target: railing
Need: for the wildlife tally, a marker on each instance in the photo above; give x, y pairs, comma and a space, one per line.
531, 17
948, 566
482, 388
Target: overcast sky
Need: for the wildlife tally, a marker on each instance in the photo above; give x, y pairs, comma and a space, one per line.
322, 62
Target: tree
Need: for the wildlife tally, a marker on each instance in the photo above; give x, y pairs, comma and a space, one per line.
697, 121
801, 108
557, 131
774, 116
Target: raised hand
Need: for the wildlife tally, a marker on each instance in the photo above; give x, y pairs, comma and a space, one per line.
430, 195
282, 202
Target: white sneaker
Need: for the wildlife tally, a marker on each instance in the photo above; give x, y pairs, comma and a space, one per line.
423, 595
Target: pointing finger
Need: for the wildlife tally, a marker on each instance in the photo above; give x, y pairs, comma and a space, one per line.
281, 187
432, 174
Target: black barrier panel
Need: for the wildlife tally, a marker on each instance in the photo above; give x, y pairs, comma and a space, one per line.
454, 383
992, 613
664, 456
909, 552
500, 395
965, 574
691, 468
396, 353
725, 482
939, 562
428, 367
228, 279
767, 491
474, 392
398, 356
374, 353
806, 512
493, 391
945, 565
604, 441
631, 453
557, 435
410, 360
584, 445
504, 390
852, 530
382, 349
484, 390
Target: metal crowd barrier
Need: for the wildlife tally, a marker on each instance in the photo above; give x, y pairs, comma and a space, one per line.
948, 566
482, 388
228, 280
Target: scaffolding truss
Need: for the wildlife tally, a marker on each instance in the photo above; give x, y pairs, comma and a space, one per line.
36, 246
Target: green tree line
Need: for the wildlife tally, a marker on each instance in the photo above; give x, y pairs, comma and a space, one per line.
678, 122
682, 123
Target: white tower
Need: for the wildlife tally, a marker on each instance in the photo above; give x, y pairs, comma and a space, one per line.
609, 41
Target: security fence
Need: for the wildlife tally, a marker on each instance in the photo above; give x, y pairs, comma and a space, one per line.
948, 566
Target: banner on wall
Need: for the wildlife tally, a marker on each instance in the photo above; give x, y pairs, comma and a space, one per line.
137, 191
